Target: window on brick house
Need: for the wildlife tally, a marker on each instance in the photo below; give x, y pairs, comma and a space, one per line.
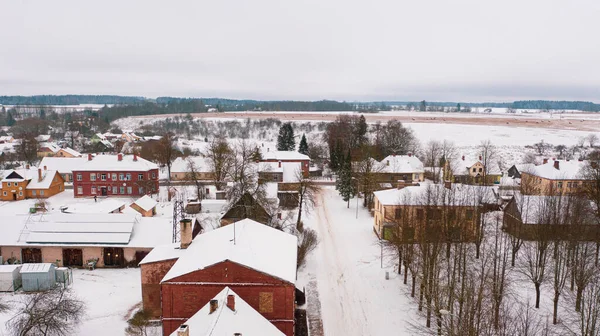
122, 190
93, 177
8, 184
93, 190
129, 190
79, 178
103, 177
398, 213
121, 177
140, 177
79, 190
114, 177
128, 177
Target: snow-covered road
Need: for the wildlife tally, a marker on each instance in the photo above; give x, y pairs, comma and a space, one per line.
355, 297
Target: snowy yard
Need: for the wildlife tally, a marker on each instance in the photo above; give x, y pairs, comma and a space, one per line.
110, 296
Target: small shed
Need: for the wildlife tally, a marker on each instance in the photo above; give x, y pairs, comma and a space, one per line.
38, 277
145, 205
10, 278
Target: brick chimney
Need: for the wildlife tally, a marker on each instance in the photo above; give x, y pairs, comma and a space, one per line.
463, 158
120, 157
27, 167
279, 165
39, 175
231, 302
409, 154
545, 161
45, 167
183, 330
90, 157
480, 158
134, 157
185, 232
388, 162
214, 305
557, 165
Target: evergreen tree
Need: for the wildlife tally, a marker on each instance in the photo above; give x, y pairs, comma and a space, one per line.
10, 120
344, 184
361, 131
458, 107
423, 106
285, 139
43, 114
303, 147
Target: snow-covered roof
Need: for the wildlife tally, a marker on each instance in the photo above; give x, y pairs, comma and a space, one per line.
71, 151
106, 205
64, 165
245, 242
567, 170
462, 165
78, 228
244, 320
23, 174
9, 268
284, 155
111, 163
437, 194
525, 167
146, 203
181, 165
163, 252
36, 268
401, 164
51, 146
545, 209
47, 178
43, 137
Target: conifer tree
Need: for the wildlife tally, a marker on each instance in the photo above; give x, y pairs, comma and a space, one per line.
361, 131
303, 147
344, 183
285, 139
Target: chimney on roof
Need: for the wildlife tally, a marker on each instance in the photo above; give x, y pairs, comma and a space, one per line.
185, 229
26, 166
480, 158
545, 161
388, 162
394, 155
120, 157
557, 165
39, 175
214, 305
463, 158
231, 302
134, 157
553, 159
183, 330
279, 164
268, 149
90, 157
45, 167
409, 154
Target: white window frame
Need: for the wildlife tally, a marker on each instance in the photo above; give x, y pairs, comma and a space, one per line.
140, 177
103, 177
129, 190
115, 190
33, 193
4, 193
122, 190
8, 184
93, 177
121, 177
128, 177
93, 191
114, 176
79, 177
41, 193
153, 175
20, 193
80, 190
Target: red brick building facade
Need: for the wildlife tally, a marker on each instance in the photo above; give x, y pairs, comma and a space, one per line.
115, 175
183, 296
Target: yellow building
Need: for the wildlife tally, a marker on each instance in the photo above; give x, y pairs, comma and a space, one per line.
554, 177
468, 171
31, 183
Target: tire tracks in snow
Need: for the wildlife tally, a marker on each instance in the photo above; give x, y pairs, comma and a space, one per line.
346, 315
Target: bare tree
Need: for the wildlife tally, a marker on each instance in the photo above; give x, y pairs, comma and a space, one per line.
589, 312
308, 191
220, 156
560, 272
192, 175
138, 324
28, 148
165, 151
53, 312
307, 242
488, 153
499, 273
592, 139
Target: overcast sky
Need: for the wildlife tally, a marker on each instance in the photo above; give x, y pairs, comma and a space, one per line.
437, 50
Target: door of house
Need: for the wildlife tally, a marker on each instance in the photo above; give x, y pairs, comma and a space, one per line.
113, 256
14, 196
73, 257
31, 255
103, 191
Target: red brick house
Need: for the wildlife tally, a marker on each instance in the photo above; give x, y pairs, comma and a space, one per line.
115, 175
252, 259
288, 156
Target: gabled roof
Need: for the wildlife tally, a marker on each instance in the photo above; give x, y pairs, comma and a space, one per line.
224, 321
284, 155
567, 170
438, 194
111, 163
71, 151
401, 164
45, 183
461, 166
163, 252
146, 203
20, 175
64, 165
50, 146
245, 242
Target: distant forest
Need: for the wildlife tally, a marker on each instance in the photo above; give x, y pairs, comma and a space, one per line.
68, 100
129, 106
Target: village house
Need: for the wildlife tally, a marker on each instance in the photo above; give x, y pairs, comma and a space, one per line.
535, 217
76, 239
515, 170
145, 205
553, 177
180, 169
227, 314
31, 183
6, 139
255, 261
286, 175
394, 168
246, 207
64, 165
115, 175
431, 211
467, 171
288, 156
68, 153
47, 149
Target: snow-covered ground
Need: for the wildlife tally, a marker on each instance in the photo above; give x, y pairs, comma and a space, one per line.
355, 298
